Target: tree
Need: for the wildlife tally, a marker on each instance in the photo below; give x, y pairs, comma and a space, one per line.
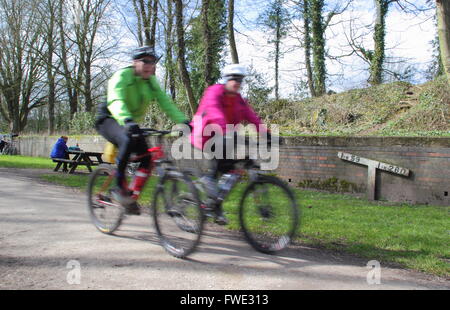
48, 12
147, 15
275, 19
181, 49
206, 45
92, 20
20, 61
443, 14
72, 67
318, 47
316, 19
307, 42
169, 61
230, 27
377, 59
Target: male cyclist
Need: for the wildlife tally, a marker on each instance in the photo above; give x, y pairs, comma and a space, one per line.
130, 92
222, 104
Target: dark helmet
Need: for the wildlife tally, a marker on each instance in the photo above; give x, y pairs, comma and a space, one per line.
144, 51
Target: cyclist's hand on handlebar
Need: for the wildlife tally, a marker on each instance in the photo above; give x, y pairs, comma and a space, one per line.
132, 128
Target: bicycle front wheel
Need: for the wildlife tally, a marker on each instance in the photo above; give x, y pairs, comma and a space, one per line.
268, 214
105, 213
177, 215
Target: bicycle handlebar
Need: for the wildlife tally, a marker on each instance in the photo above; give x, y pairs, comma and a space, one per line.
155, 132
159, 133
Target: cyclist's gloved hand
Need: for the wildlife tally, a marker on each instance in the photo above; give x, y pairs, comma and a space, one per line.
132, 128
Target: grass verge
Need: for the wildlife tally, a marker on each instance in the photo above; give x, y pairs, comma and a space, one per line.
410, 236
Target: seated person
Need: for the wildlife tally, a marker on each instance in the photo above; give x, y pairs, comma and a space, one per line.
2, 143
60, 150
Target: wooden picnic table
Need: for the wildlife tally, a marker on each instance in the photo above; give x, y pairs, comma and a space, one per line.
80, 158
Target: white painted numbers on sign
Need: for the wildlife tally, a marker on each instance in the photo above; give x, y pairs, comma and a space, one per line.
373, 163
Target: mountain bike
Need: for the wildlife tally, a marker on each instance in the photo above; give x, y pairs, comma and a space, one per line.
268, 211
107, 214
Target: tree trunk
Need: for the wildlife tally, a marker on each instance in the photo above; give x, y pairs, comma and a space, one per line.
307, 42
147, 15
230, 25
154, 20
139, 23
51, 100
443, 14
182, 55
22, 66
73, 102
318, 47
50, 74
145, 21
88, 102
169, 48
207, 73
277, 60
377, 60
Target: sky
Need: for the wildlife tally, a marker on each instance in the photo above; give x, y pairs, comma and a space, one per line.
408, 37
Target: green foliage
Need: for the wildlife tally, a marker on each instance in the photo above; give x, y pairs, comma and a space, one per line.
3, 125
82, 123
256, 90
332, 185
195, 47
276, 20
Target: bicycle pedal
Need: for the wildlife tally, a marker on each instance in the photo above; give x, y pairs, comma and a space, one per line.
133, 209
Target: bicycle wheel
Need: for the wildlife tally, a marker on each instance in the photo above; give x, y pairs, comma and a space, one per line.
268, 214
177, 215
105, 213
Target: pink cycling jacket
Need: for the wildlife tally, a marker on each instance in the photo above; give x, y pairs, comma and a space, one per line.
212, 111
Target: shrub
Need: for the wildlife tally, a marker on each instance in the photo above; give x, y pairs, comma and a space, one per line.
82, 123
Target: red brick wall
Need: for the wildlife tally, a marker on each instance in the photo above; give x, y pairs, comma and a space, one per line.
314, 160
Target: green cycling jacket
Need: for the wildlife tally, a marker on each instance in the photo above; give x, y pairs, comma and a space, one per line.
129, 96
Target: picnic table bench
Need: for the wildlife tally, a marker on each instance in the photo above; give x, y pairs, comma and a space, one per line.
80, 158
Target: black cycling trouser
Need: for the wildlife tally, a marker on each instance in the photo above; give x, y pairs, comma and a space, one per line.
221, 166
117, 135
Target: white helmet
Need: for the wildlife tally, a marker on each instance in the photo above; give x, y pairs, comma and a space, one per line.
233, 70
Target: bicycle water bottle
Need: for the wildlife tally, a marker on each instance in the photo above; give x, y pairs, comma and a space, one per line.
226, 182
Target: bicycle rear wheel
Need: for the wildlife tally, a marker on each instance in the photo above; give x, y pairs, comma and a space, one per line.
105, 213
177, 215
268, 214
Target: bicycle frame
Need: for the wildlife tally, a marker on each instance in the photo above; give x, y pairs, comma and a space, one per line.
241, 172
